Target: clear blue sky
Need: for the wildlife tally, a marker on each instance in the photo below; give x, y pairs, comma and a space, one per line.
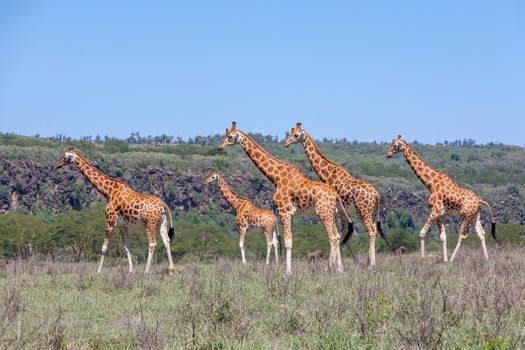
365, 70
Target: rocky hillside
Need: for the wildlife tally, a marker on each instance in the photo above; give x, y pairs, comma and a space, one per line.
29, 180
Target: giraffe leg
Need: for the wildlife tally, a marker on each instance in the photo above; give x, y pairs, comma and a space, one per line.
481, 234
443, 238
274, 242
110, 225
463, 231
167, 242
150, 230
151, 252
124, 230
242, 233
286, 221
372, 233
269, 243
345, 223
433, 216
333, 235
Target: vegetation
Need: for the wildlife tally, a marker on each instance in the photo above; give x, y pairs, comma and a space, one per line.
52, 232
405, 302
58, 215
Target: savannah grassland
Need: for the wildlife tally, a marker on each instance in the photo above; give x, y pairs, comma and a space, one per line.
404, 302
51, 297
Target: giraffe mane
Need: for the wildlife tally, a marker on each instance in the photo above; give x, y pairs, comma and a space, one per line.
266, 152
91, 165
319, 151
421, 158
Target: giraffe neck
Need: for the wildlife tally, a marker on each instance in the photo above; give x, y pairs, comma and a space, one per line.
322, 166
231, 197
421, 168
102, 182
271, 167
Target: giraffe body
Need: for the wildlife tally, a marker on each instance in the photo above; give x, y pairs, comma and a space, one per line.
126, 206
248, 216
354, 192
446, 198
294, 194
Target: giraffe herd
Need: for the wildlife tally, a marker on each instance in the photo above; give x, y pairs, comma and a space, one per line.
294, 193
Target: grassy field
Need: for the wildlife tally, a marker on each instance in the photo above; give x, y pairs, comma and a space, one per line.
404, 302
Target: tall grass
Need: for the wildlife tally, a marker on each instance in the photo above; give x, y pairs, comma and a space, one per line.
404, 302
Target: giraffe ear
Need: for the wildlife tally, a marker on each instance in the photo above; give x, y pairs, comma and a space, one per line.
227, 131
234, 126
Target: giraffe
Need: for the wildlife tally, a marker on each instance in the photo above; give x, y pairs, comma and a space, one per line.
125, 206
247, 216
446, 198
362, 195
294, 193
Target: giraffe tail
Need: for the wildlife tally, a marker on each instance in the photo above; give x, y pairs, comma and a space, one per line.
493, 225
171, 230
380, 230
378, 222
348, 233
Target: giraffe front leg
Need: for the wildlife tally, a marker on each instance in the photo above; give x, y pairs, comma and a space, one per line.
481, 234
463, 231
433, 216
110, 225
443, 238
125, 239
242, 234
286, 221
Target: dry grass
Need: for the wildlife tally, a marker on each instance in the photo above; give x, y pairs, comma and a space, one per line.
403, 303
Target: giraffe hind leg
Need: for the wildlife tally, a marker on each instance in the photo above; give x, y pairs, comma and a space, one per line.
274, 242
150, 230
333, 236
481, 234
443, 238
126, 247
463, 231
165, 235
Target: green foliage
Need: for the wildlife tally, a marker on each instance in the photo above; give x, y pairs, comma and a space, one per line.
116, 146
5, 192
402, 237
400, 218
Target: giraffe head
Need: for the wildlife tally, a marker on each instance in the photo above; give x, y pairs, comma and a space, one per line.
231, 138
296, 135
69, 157
214, 176
397, 145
